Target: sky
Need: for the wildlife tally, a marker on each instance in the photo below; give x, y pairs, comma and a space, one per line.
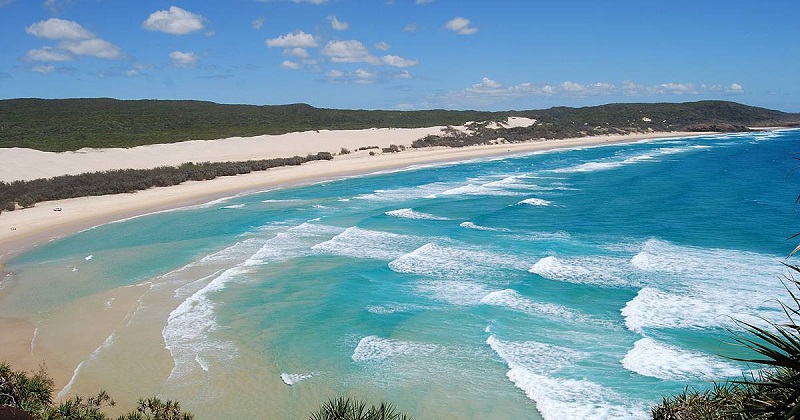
404, 54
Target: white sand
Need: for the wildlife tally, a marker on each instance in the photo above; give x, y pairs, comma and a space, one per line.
27, 164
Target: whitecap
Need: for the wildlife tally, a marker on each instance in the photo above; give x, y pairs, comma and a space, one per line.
652, 358
408, 193
373, 348
435, 260
89, 257
412, 214
454, 292
512, 299
535, 202
470, 225
393, 308
294, 242
233, 206
599, 271
473, 189
532, 368
293, 378
356, 242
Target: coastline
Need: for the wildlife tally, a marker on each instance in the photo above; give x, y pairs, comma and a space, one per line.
24, 228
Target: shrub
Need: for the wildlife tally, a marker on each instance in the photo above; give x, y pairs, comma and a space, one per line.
346, 408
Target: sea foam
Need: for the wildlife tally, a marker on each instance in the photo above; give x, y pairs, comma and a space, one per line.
594, 270
649, 357
374, 348
533, 368
356, 242
412, 214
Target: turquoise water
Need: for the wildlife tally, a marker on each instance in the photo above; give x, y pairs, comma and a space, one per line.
584, 283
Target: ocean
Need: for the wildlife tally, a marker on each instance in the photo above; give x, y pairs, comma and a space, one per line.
584, 283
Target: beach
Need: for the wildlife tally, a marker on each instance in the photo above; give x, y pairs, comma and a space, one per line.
66, 338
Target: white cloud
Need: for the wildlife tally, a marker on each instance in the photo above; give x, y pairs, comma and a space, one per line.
43, 69
335, 74
393, 60
93, 47
291, 65
297, 39
382, 46
410, 27
676, 89
337, 24
364, 74
351, 51
735, 88
489, 91
51, 6
461, 26
404, 75
296, 52
59, 29
132, 73
4, 3
175, 21
74, 39
424, 1
258, 23
47, 54
184, 59
311, 1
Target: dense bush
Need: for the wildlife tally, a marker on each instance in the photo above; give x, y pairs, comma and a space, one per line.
345, 408
28, 193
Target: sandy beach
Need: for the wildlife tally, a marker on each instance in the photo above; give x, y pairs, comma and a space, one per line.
26, 343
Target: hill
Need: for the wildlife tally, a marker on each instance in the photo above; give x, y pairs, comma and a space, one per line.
71, 124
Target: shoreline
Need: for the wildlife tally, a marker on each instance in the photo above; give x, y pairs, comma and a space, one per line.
23, 229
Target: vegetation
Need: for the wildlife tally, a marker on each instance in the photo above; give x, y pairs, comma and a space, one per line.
28, 193
563, 122
33, 394
345, 408
70, 124
773, 393
59, 125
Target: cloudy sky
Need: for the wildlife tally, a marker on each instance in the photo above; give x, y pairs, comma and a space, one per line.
404, 54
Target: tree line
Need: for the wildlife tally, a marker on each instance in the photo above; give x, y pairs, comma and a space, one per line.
25, 194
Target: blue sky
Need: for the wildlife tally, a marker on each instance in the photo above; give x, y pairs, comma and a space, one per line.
404, 54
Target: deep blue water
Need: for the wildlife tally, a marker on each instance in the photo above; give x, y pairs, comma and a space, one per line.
585, 283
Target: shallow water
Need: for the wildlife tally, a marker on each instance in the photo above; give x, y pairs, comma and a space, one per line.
584, 283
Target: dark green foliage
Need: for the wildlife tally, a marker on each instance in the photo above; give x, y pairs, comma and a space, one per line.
28, 392
344, 151
28, 193
79, 408
346, 408
33, 395
774, 393
393, 149
155, 409
563, 122
71, 124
